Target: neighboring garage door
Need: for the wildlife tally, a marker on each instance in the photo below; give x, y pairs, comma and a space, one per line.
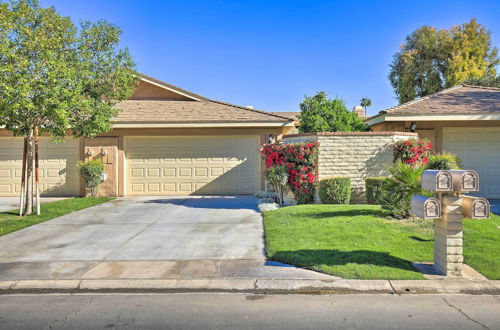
58, 172
183, 165
479, 149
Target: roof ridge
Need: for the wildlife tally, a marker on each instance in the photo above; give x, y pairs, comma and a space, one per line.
399, 106
483, 87
249, 109
160, 82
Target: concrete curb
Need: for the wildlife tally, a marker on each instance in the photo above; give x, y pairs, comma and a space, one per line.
257, 286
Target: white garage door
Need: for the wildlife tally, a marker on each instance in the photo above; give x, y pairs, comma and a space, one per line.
183, 165
479, 149
58, 172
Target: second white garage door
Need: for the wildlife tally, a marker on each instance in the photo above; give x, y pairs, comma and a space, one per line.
184, 165
59, 175
479, 149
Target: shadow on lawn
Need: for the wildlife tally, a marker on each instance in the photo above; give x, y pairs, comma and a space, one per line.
348, 213
314, 258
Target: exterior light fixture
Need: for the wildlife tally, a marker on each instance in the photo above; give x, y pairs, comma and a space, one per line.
270, 139
413, 127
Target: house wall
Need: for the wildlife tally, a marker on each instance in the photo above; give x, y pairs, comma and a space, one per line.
263, 133
119, 134
356, 155
432, 129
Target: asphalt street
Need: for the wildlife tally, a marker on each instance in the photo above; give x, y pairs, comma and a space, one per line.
248, 311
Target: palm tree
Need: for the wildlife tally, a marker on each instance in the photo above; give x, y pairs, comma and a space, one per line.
366, 102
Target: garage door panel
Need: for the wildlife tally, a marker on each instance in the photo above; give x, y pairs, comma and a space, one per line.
192, 165
479, 149
58, 172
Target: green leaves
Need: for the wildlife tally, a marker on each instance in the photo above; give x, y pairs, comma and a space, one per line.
57, 76
431, 60
320, 114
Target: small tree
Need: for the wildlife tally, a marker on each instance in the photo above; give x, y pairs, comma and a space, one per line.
365, 103
320, 114
56, 78
277, 177
91, 171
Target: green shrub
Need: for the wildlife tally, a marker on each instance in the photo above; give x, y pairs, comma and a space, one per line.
277, 177
444, 161
374, 189
335, 190
91, 171
398, 189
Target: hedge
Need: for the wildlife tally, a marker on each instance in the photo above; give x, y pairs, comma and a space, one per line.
335, 190
374, 189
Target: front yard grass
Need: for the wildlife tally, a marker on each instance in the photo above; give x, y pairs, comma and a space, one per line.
11, 221
362, 242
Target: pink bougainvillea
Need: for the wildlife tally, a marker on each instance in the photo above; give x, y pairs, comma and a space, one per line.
300, 160
413, 152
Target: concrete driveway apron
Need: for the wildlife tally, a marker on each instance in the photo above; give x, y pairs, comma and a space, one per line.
146, 237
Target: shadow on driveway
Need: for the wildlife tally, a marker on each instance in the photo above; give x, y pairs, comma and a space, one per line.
211, 202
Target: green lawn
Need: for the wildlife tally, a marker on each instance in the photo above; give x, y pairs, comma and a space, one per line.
11, 221
362, 242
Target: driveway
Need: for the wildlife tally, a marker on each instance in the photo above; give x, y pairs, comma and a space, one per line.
146, 237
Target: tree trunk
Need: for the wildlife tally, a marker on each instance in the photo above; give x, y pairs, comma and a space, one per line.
23, 180
37, 173
29, 175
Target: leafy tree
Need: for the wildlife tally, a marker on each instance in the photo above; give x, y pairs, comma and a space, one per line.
431, 60
365, 103
484, 81
320, 114
56, 78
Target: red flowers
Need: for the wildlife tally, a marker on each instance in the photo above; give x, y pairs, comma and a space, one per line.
300, 160
413, 151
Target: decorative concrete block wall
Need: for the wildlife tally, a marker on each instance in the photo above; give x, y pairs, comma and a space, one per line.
355, 155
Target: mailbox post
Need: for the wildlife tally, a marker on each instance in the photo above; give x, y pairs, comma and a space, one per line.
447, 212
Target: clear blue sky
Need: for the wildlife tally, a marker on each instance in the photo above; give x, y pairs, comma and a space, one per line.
270, 54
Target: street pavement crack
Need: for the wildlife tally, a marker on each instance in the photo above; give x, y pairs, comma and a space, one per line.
72, 315
464, 314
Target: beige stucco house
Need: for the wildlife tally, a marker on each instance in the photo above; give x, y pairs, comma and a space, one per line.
165, 141
464, 120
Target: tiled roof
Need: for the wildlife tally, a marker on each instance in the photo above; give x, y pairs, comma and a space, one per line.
199, 110
461, 99
189, 111
291, 115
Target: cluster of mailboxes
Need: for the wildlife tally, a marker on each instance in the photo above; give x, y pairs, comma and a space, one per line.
456, 181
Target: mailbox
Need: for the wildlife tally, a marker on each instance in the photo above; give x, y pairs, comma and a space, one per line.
435, 180
426, 207
475, 207
465, 180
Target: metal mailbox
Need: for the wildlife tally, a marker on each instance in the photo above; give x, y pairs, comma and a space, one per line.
475, 207
435, 180
425, 207
465, 180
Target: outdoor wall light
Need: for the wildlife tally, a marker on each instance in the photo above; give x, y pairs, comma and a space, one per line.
413, 127
89, 153
104, 152
270, 139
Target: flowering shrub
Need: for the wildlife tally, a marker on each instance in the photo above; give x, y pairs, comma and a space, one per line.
300, 160
413, 152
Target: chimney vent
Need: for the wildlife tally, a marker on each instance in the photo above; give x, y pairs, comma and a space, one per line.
360, 111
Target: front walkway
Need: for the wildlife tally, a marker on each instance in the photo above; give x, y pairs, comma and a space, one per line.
147, 238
